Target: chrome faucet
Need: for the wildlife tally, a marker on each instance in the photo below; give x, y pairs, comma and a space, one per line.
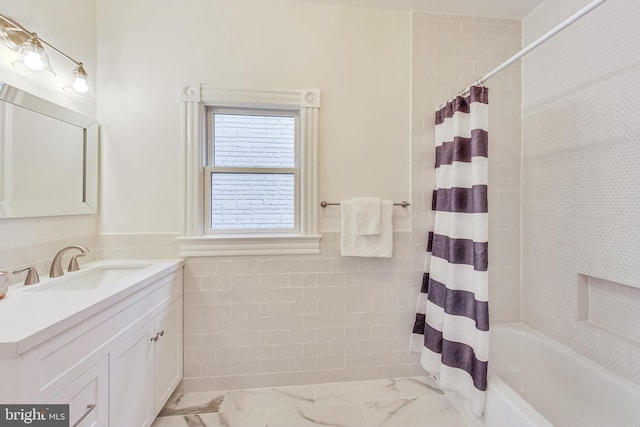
56, 264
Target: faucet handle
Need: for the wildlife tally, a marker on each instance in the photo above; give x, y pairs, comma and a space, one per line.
32, 275
73, 264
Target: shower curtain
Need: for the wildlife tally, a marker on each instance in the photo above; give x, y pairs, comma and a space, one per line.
453, 311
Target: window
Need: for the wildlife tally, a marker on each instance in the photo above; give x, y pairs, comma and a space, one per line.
251, 180
251, 177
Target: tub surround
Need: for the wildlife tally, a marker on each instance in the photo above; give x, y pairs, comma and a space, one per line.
580, 205
530, 374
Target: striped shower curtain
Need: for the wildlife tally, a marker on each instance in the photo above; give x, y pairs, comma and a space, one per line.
453, 312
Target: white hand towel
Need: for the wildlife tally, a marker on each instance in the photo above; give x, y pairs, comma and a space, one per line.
377, 245
367, 215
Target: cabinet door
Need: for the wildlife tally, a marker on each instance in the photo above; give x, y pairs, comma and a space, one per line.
87, 397
131, 380
168, 353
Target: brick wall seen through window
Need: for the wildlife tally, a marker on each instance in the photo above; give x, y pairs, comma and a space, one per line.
253, 170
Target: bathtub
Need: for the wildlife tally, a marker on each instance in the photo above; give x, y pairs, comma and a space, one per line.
536, 382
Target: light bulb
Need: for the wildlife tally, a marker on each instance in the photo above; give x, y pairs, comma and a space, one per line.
80, 85
79, 82
33, 61
33, 57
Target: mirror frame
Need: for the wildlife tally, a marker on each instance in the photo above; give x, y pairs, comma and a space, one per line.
89, 202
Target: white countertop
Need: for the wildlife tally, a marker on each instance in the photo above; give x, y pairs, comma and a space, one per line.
30, 315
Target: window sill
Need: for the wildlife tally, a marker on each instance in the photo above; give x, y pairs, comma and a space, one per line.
248, 245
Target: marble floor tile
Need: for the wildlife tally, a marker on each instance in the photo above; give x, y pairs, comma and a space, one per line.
433, 411
239, 400
357, 391
193, 403
418, 386
401, 402
343, 415
229, 419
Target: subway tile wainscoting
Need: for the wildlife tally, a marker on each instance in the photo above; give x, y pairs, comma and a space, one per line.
273, 321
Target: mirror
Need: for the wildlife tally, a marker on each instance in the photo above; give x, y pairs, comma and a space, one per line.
48, 158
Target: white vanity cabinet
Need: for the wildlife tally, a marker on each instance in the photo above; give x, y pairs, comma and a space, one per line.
131, 380
149, 365
168, 354
115, 365
87, 397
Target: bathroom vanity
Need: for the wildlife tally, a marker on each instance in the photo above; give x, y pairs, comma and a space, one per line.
107, 340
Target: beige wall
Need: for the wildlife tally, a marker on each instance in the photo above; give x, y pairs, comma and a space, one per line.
70, 26
581, 149
357, 57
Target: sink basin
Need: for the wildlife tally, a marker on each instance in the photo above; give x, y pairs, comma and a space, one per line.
94, 279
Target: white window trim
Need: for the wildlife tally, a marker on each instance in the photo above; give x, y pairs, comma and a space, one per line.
194, 242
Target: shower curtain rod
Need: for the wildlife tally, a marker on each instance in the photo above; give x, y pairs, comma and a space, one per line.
564, 24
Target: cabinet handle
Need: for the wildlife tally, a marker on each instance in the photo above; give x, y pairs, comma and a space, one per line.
158, 335
89, 409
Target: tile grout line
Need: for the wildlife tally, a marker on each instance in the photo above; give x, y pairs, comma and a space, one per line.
364, 415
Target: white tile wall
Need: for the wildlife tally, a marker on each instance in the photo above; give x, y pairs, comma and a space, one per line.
265, 321
449, 53
581, 148
604, 298
138, 246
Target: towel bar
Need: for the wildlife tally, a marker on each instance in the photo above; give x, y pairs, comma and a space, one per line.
324, 204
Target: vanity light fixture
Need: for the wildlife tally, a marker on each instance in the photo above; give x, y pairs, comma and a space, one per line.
79, 82
33, 56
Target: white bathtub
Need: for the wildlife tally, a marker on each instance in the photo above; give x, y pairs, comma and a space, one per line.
536, 382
